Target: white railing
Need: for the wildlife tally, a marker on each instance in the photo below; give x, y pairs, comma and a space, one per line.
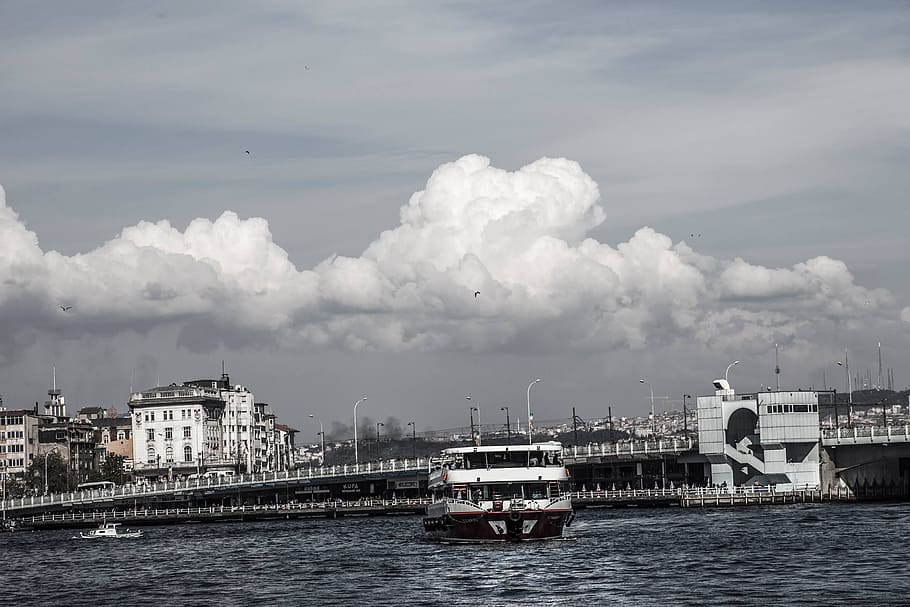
689, 492
134, 513
223, 482
866, 434
670, 445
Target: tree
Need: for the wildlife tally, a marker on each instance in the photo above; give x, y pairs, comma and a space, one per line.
14, 486
56, 474
112, 469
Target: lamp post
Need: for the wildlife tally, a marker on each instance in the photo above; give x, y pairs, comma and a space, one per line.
378, 426
849, 385
653, 421
508, 426
686, 416
727, 372
530, 427
413, 440
471, 411
322, 434
356, 456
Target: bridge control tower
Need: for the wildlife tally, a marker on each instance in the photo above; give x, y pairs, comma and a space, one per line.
764, 438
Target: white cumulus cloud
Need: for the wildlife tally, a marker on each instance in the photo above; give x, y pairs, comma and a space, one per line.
520, 239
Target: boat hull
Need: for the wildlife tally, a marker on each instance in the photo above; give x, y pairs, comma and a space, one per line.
501, 526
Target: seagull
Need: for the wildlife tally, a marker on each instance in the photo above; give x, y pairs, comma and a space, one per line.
66, 308
476, 293
247, 151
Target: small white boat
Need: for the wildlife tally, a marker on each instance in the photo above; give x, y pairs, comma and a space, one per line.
112, 530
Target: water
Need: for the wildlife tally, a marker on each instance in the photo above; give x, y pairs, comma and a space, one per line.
785, 555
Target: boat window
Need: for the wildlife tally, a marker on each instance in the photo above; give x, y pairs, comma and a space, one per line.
475, 460
506, 459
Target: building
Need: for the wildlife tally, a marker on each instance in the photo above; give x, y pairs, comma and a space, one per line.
240, 431
764, 438
18, 439
114, 436
72, 440
283, 449
177, 430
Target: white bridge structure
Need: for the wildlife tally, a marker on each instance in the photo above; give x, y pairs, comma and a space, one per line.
869, 435
126, 494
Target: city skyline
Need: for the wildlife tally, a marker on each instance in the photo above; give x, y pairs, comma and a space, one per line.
488, 196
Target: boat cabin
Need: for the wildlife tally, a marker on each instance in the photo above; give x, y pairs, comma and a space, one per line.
503, 456
501, 472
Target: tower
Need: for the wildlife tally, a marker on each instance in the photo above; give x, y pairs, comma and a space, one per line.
56, 404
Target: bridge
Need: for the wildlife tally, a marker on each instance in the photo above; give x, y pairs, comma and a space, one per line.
879, 435
279, 487
857, 456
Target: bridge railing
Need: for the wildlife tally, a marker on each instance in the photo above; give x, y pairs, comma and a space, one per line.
292, 507
625, 494
138, 490
629, 448
872, 433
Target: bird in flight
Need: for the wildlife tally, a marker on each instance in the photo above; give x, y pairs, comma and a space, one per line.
476, 293
66, 308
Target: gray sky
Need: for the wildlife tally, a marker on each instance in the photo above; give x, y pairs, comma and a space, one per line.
636, 191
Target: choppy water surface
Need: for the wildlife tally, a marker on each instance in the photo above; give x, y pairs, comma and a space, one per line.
790, 555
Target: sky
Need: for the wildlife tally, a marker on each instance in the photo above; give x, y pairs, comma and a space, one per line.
418, 202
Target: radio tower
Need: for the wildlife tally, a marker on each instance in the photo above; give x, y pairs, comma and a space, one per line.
880, 383
776, 368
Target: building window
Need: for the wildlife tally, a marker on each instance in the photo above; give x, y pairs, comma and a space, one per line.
150, 435
169, 433
187, 454
169, 455
121, 435
151, 455
187, 432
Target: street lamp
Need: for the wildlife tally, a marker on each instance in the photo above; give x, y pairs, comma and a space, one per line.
413, 440
322, 434
726, 373
478, 438
378, 426
530, 429
849, 385
356, 457
508, 426
686, 416
653, 421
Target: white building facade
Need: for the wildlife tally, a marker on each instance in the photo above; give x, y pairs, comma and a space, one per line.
176, 430
760, 438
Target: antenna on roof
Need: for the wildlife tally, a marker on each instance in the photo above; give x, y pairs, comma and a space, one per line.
880, 382
776, 368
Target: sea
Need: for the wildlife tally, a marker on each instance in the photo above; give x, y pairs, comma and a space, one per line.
806, 554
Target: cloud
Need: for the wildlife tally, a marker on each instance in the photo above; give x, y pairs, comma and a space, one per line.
519, 238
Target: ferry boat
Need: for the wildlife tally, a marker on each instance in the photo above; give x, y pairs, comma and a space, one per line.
110, 530
499, 493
